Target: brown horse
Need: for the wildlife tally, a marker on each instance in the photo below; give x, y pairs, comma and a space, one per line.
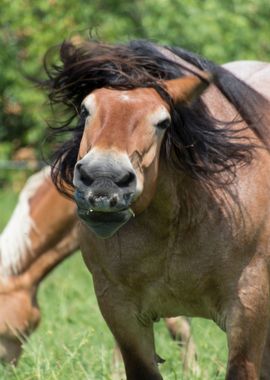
41, 233
178, 180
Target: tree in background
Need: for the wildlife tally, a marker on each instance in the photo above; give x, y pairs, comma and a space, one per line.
221, 31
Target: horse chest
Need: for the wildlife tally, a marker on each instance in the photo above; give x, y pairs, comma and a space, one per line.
164, 279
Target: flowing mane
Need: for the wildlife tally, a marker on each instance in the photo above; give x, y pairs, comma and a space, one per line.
196, 142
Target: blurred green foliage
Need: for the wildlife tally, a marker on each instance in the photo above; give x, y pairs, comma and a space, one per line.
220, 30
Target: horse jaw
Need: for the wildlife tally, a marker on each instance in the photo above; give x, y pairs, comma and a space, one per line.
105, 225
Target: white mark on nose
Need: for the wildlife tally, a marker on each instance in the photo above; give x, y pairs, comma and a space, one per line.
125, 97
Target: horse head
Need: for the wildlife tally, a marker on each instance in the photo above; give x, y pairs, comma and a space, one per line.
116, 173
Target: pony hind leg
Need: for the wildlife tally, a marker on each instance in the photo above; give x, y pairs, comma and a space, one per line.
179, 329
118, 370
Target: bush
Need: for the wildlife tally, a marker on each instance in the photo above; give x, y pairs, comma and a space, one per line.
222, 31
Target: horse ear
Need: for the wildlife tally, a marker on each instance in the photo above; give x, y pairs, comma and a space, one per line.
188, 88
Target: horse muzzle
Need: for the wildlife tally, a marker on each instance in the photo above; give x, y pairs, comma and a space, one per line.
104, 197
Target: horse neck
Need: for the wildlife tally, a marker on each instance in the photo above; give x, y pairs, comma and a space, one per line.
43, 264
15, 242
184, 200
46, 262
41, 220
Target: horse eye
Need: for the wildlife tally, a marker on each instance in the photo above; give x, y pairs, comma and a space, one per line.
84, 112
164, 124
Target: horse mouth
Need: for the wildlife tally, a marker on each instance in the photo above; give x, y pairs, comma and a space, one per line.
105, 224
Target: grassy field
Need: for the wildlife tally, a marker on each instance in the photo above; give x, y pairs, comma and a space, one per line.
73, 342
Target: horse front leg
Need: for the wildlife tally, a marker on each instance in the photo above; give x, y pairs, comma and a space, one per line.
247, 323
134, 336
265, 370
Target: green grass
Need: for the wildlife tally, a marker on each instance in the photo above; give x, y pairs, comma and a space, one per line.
73, 342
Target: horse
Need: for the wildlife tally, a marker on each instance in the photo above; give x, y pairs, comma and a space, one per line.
168, 162
37, 238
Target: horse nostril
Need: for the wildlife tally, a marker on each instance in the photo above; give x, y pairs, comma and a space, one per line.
85, 177
126, 180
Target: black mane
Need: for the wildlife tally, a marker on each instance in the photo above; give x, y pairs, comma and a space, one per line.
196, 142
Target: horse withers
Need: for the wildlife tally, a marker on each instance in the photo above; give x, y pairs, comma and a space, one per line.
170, 166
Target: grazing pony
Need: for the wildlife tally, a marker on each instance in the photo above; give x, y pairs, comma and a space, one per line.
41, 233
170, 164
